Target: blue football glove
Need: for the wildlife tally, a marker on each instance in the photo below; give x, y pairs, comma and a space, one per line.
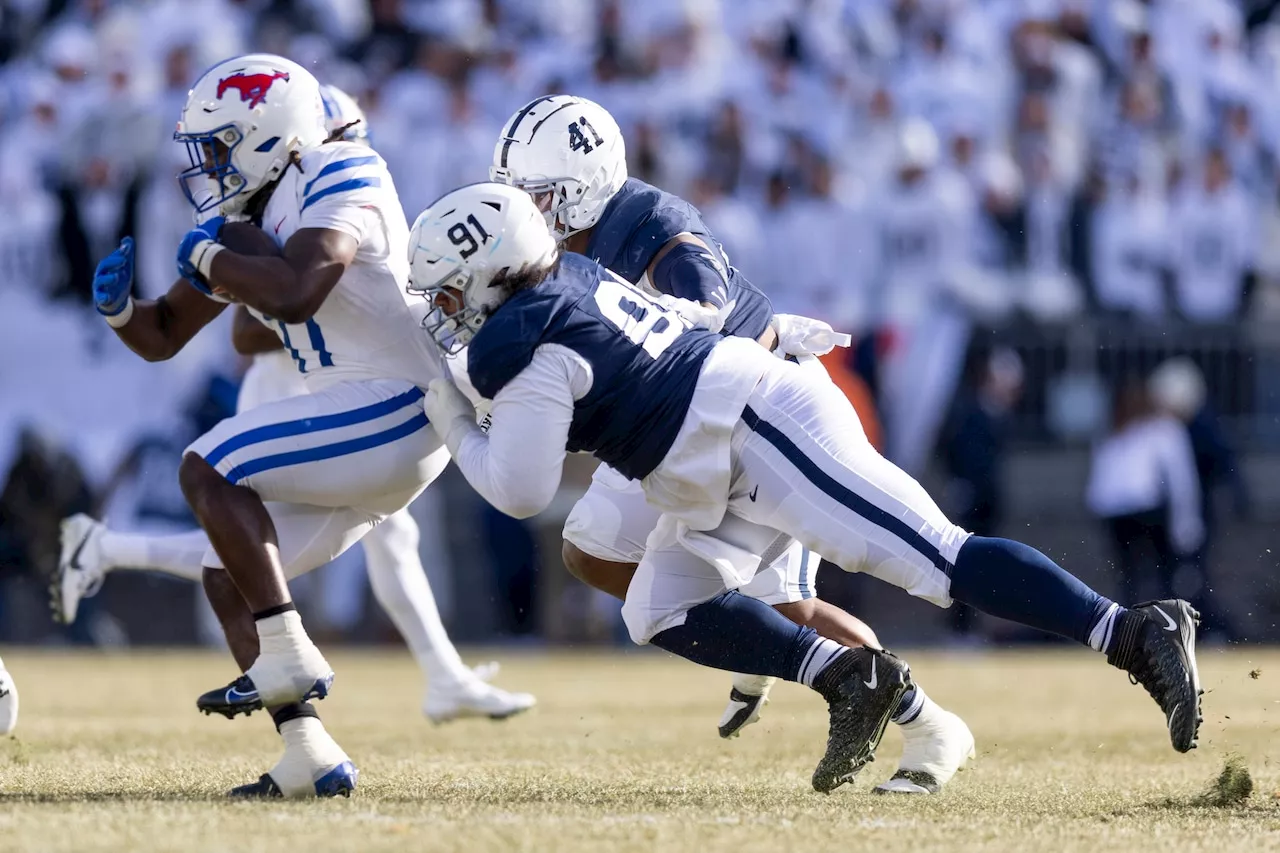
113, 279
193, 245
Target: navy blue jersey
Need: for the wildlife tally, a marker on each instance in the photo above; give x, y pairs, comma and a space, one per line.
644, 360
640, 220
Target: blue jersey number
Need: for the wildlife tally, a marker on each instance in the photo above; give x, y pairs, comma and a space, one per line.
643, 321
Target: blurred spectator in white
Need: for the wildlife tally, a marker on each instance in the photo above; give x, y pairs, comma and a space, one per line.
736, 224
818, 246
1239, 140
923, 263
869, 154
1066, 75
1143, 486
1212, 238
1051, 291
427, 165
1177, 388
1129, 237
164, 214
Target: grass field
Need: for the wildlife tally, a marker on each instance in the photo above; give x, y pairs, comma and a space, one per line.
621, 754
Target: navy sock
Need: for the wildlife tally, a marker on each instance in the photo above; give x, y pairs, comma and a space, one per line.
1016, 582
740, 634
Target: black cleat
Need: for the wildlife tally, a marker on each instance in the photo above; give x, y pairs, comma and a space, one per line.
264, 788
1155, 643
238, 697
869, 687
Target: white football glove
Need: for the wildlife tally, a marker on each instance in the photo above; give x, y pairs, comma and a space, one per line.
799, 336
699, 315
450, 412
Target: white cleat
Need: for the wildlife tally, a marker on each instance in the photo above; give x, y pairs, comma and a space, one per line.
747, 698
933, 750
474, 698
289, 667
80, 568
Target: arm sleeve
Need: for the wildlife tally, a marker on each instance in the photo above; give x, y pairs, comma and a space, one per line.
690, 271
516, 466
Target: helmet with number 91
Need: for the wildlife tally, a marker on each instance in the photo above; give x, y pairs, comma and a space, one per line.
243, 121
470, 252
568, 154
342, 113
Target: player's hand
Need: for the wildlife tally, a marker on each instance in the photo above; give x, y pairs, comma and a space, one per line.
193, 253
805, 336
699, 315
113, 280
449, 411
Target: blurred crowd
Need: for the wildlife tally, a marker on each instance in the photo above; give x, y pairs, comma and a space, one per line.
909, 170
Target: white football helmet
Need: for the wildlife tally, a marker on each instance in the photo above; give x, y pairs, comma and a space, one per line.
460, 244
568, 154
340, 110
242, 122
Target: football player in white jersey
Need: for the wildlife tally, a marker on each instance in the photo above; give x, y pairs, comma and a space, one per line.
570, 155
90, 550
287, 486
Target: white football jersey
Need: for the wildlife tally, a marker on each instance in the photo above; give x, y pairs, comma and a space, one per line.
368, 327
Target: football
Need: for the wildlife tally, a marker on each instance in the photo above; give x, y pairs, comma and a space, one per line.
245, 238
8, 702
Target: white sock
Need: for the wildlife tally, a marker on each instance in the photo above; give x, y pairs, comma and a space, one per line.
820, 656
400, 585
281, 628
180, 554
1100, 636
309, 753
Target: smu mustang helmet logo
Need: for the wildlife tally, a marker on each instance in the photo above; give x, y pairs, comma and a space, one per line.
252, 87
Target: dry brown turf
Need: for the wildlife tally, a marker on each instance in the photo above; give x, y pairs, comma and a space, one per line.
621, 754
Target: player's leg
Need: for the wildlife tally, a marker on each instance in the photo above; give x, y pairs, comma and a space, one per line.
360, 444
803, 466
313, 764
401, 587
90, 550
679, 602
936, 742
605, 535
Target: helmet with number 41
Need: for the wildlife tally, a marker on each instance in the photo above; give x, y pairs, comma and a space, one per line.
568, 154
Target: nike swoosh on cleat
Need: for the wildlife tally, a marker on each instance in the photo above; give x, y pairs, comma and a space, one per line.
754, 492
1172, 625
871, 685
234, 695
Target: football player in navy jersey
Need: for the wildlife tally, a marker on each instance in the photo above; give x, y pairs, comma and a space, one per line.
570, 156
734, 447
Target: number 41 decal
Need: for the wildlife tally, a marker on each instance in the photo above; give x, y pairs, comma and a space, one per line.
579, 142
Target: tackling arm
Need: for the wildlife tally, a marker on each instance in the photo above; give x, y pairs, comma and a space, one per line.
517, 465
